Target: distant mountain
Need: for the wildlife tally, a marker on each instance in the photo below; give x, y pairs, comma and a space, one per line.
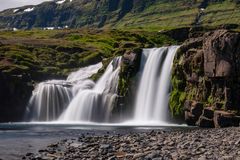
5, 4
147, 14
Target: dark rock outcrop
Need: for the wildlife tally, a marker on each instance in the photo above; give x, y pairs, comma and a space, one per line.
127, 82
15, 91
209, 67
225, 119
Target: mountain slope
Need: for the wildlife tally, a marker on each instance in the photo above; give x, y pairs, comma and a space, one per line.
137, 14
107, 13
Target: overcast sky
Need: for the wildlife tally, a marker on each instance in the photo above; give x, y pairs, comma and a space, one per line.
4, 4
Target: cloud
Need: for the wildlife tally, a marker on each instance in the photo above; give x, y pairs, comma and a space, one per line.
5, 4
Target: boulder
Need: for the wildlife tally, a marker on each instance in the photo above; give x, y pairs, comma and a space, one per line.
190, 119
217, 106
205, 122
208, 113
193, 111
197, 109
225, 119
191, 43
129, 57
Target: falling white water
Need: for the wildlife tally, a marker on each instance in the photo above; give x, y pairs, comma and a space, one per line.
84, 73
80, 79
95, 104
51, 98
48, 101
153, 91
79, 99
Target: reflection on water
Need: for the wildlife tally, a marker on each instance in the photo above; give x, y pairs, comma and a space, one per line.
17, 139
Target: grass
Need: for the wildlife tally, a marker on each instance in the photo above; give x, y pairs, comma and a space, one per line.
218, 13
59, 52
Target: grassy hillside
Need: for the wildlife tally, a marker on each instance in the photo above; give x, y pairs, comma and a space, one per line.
221, 12
151, 15
161, 15
59, 52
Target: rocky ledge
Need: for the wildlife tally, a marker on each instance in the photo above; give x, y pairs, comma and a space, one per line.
185, 144
206, 80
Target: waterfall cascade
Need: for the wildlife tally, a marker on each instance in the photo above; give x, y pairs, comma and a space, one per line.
50, 98
154, 88
79, 99
95, 104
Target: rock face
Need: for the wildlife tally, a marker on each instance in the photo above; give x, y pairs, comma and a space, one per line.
127, 83
14, 95
206, 76
220, 49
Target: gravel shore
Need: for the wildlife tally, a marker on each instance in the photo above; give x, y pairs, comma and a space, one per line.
223, 144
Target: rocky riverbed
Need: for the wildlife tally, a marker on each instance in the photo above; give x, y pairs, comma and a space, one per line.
156, 144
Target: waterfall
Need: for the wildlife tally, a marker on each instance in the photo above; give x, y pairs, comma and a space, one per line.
153, 91
50, 98
84, 73
79, 99
95, 104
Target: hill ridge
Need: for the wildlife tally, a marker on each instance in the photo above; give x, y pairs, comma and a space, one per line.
136, 14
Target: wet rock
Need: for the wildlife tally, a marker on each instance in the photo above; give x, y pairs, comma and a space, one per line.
208, 113
153, 155
121, 154
205, 122
225, 119
76, 145
138, 156
187, 144
129, 57
29, 154
192, 112
197, 109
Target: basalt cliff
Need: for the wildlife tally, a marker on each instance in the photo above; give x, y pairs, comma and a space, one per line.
206, 80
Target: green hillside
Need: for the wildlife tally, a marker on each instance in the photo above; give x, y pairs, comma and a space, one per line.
124, 14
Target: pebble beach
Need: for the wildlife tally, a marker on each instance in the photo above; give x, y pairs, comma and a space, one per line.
199, 144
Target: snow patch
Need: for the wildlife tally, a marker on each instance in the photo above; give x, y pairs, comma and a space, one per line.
48, 28
60, 2
15, 10
29, 9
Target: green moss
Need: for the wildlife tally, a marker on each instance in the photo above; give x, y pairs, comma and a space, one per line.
177, 96
123, 81
74, 37
177, 100
210, 100
90, 59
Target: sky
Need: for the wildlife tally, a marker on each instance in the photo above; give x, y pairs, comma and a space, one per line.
5, 4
